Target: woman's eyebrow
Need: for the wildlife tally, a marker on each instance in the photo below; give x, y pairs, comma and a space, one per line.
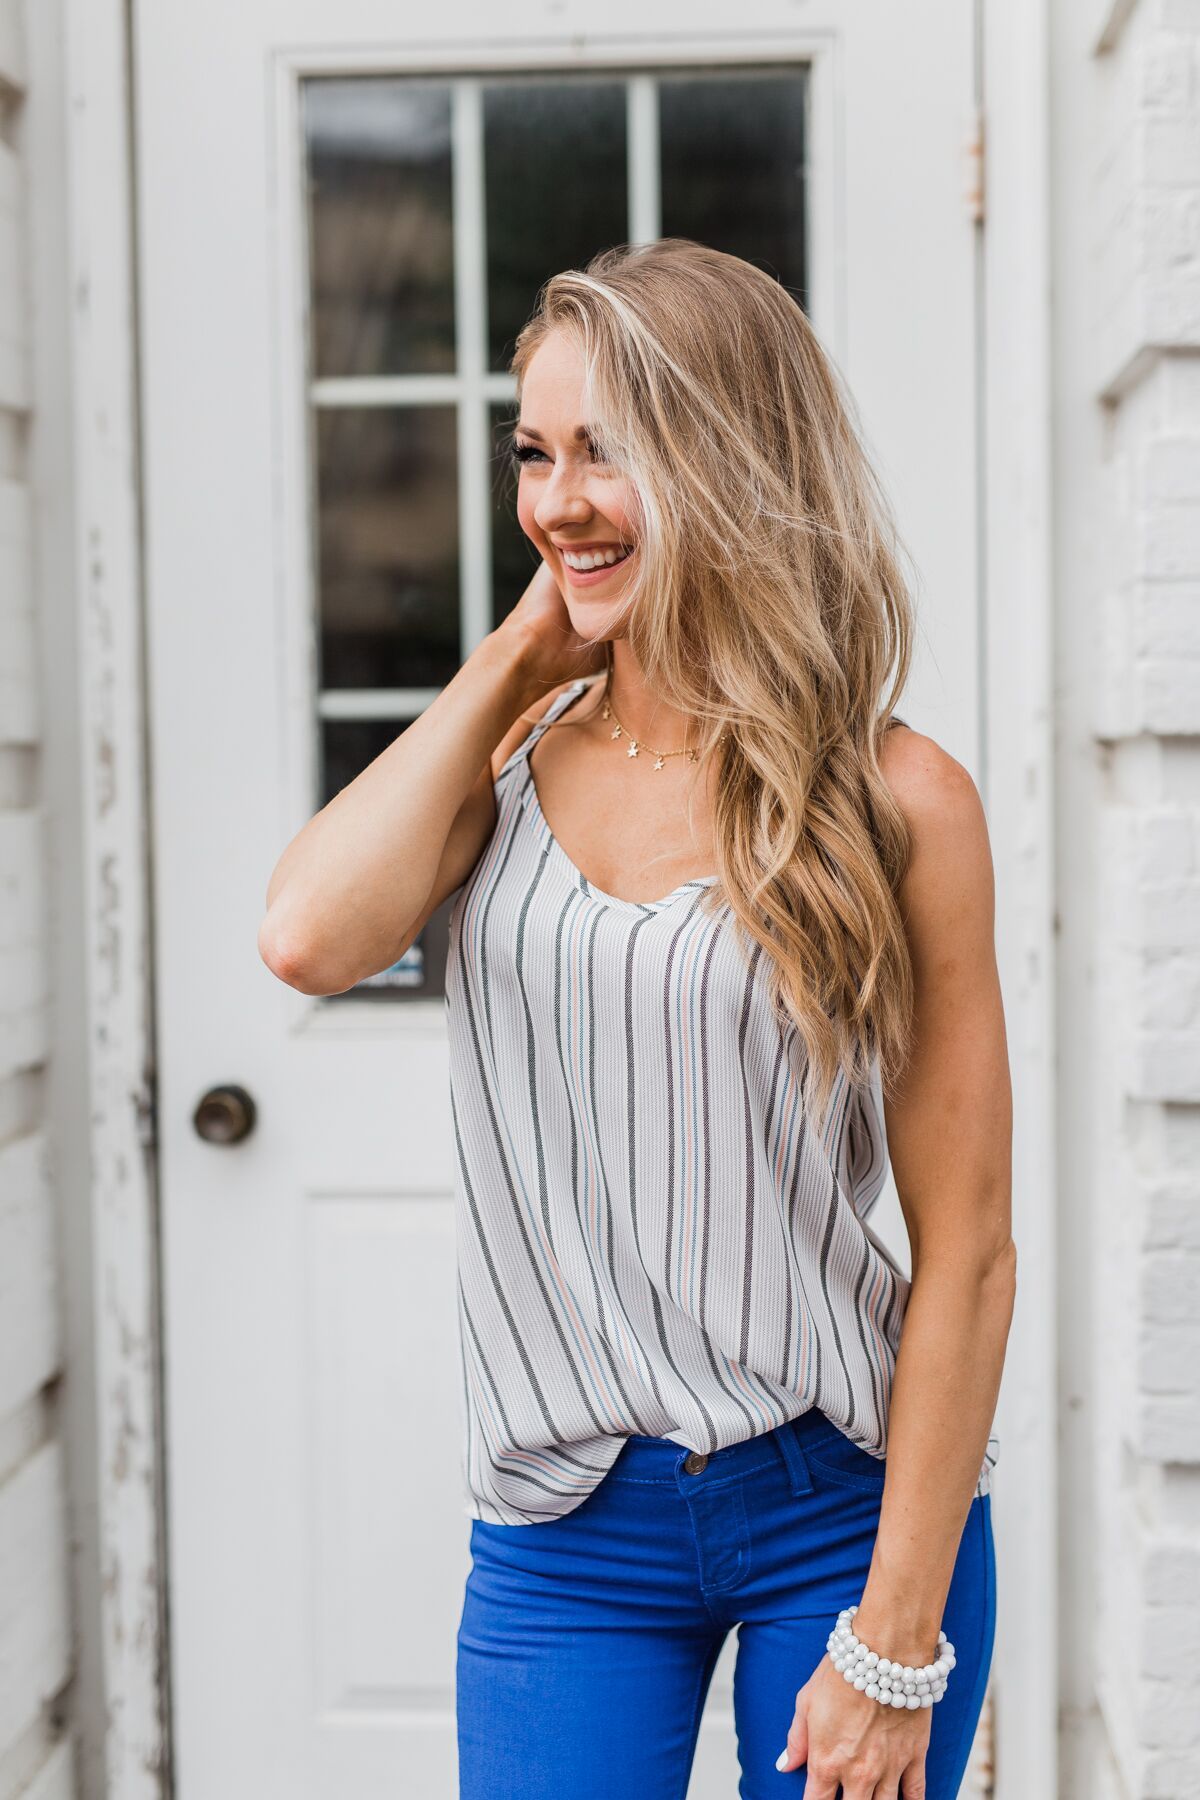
583, 432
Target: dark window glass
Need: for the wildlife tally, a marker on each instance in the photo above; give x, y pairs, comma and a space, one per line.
387, 485
556, 190
733, 171
379, 163
380, 229
347, 746
514, 559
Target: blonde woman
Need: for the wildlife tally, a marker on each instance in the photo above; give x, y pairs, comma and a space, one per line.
723, 946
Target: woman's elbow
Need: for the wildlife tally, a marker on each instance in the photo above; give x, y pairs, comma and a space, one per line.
291, 961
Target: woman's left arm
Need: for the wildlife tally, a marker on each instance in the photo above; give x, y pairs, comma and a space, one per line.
949, 1136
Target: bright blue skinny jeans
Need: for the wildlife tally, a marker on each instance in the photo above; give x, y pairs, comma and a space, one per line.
587, 1642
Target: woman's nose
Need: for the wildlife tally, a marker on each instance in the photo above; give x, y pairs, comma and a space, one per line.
562, 500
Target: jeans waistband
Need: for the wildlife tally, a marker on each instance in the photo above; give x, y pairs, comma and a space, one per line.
649, 1458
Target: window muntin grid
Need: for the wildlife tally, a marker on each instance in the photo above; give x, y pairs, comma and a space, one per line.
435, 207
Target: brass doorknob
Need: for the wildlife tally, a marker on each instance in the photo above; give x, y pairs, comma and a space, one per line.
225, 1115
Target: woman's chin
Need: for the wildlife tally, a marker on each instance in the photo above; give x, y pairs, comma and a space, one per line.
588, 621
587, 628
587, 610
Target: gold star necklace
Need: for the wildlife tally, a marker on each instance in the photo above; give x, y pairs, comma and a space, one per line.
607, 711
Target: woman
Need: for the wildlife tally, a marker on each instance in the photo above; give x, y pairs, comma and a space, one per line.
721, 948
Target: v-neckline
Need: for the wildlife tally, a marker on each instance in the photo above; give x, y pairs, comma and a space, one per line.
566, 865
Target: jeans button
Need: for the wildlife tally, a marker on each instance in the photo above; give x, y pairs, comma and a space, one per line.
694, 1461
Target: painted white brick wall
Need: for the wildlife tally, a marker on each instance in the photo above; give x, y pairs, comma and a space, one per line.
1146, 1116
36, 1760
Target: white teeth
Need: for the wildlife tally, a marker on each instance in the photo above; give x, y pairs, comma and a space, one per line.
592, 559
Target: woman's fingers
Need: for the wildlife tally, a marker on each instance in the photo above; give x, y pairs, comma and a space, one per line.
795, 1752
912, 1782
821, 1782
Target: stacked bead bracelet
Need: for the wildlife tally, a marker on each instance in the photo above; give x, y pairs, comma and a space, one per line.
891, 1683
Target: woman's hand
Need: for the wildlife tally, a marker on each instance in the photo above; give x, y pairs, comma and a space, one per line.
553, 650
876, 1752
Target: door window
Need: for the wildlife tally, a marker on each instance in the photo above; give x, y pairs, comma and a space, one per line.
435, 209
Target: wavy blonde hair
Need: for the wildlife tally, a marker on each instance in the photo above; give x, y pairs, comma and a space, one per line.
768, 603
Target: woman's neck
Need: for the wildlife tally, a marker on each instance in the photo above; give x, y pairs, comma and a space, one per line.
643, 714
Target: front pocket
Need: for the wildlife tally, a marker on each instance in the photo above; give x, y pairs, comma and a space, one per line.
841, 1461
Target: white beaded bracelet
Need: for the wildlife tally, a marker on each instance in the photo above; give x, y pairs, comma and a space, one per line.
891, 1683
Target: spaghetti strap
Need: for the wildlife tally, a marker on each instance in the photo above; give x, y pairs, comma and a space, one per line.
559, 704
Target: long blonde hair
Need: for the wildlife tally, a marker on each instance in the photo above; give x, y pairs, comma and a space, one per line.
768, 603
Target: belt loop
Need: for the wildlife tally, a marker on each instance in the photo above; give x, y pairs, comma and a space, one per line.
794, 1458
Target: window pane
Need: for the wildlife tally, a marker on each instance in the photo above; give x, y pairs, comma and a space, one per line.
388, 546
555, 189
733, 168
514, 559
347, 746
380, 233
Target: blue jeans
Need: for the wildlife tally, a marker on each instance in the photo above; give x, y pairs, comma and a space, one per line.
587, 1642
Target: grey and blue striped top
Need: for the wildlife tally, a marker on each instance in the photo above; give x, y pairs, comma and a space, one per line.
653, 1237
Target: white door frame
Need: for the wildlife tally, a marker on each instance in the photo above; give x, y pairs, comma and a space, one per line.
100, 1075
87, 542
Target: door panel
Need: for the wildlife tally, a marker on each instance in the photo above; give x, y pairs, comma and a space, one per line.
343, 225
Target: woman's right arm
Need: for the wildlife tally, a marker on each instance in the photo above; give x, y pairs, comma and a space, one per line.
358, 882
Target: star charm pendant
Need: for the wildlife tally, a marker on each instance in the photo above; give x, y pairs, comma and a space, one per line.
658, 762
616, 731
605, 711
633, 747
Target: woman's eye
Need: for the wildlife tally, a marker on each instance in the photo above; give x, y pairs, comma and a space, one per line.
526, 453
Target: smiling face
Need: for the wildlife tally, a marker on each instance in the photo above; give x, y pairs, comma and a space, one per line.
578, 512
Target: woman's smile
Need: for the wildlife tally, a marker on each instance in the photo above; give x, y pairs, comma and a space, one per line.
587, 564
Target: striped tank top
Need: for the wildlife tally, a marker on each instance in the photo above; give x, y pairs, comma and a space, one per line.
653, 1236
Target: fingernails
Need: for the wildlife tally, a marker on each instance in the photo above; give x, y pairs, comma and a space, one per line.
781, 1760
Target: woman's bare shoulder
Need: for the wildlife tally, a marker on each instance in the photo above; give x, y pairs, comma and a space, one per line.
924, 777
944, 811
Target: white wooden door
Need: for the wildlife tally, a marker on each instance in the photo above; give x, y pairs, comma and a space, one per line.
344, 213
